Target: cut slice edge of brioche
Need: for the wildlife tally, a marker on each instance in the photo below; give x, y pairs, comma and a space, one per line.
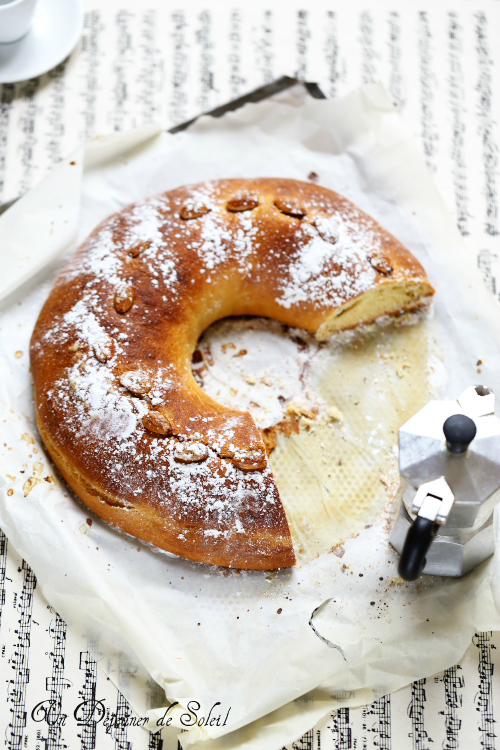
392, 300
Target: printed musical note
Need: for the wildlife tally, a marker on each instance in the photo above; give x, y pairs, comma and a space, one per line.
3, 544
305, 742
484, 696
88, 695
485, 263
19, 662
341, 730
369, 58
123, 711
453, 684
178, 96
396, 81
51, 730
456, 98
428, 127
484, 100
416, 713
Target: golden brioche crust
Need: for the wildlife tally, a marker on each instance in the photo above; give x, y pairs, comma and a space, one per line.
117, 405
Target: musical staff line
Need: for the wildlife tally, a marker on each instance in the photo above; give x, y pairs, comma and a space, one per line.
416, 714
453, 685
88, 695
3, 569
55, 685
484, 696
19, 661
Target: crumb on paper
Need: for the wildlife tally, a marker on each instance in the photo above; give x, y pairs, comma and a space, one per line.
339, 551
384, 480
19, 354
270, 438
400, 369
36, 478
396, 582
299, 409
334, 415
29, 484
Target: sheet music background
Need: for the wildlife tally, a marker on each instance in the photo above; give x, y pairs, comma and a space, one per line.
162, 63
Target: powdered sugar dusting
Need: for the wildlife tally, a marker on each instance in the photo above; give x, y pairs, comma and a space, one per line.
102, 408
327, 272
101, 261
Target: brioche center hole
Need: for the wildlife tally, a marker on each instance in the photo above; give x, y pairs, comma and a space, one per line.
260, 366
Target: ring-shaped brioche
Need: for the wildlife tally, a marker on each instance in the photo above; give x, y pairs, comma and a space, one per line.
117, 405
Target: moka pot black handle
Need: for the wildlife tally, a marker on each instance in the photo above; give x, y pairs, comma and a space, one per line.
418, 540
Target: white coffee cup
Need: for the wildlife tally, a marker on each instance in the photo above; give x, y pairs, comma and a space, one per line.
15, 19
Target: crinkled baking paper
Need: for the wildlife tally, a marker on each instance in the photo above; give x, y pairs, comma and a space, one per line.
243, 640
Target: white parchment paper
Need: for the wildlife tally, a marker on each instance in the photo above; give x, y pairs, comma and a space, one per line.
241, 643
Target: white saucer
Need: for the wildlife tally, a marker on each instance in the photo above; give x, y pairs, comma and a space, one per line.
57, 26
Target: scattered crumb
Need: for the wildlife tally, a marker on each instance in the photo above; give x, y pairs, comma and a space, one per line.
400, 369
334, 415
298, 409
270, 438
35, 479
384, 480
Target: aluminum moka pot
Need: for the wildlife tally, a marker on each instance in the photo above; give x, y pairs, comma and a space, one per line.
449, 459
